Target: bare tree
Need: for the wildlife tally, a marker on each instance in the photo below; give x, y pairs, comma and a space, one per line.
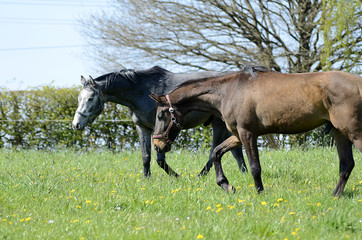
224, 34
286, 35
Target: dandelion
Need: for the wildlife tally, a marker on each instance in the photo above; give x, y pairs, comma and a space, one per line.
240, 213
27, 219
219, 209
276, 204
294, 233
208, 208
263, 203
291, 213
241, 201
314, 217
88, 201
21, 220
200, 236
79, 207
347, 236
280, 200
138, 228
218, 206
319, 204
176, 190
183, 228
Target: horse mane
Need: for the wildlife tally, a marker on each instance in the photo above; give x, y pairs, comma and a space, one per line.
134, 77
251, 69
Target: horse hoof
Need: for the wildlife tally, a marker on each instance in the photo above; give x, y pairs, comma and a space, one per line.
230, 189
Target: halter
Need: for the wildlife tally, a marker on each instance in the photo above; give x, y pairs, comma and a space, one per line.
173, 121
97, 111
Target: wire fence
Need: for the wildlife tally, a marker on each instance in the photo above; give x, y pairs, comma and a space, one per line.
64, 120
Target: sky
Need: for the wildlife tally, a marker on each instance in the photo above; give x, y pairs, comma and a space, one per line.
40, 43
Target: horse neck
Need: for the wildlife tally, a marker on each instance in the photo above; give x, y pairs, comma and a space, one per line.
135, 97
195, 97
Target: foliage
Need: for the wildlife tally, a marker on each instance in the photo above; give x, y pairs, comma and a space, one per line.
342, 32
41, 119
103, 195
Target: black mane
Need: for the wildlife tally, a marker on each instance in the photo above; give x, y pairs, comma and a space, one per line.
110, 80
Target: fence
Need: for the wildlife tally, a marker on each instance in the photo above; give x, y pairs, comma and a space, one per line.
41, 119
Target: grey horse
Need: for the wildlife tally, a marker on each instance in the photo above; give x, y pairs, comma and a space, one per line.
132, 89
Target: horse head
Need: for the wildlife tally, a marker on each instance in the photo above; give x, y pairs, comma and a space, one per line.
90, 104
168, 124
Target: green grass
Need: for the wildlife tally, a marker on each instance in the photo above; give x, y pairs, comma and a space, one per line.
103, 195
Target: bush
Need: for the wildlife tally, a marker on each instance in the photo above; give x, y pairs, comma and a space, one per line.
41, 119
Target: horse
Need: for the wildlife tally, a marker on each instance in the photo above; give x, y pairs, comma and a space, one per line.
132, 88
268, 102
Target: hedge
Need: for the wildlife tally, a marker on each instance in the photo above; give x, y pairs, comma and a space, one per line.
41, 119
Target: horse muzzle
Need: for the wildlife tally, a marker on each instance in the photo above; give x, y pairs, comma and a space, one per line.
161, 145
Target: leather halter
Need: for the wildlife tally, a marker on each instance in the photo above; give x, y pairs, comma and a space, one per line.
96, 112
172, 122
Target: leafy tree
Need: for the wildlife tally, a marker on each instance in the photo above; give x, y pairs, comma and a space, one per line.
342, 34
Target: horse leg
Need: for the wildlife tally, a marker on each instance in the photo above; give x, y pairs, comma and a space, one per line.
218, 152
250, 144
346, 162
220, 134
163, 164
145, 140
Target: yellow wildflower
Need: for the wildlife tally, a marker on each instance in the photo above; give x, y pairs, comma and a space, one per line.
200, 236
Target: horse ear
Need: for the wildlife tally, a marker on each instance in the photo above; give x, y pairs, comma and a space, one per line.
82, 80
92, 82
155, 97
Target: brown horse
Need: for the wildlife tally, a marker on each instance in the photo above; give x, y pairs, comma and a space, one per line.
269, 102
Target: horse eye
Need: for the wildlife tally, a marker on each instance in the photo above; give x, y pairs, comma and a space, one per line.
90, 99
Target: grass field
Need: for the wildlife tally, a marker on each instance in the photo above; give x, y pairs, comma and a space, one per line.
103, 195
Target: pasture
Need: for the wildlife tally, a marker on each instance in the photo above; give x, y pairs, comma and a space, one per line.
68, 194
